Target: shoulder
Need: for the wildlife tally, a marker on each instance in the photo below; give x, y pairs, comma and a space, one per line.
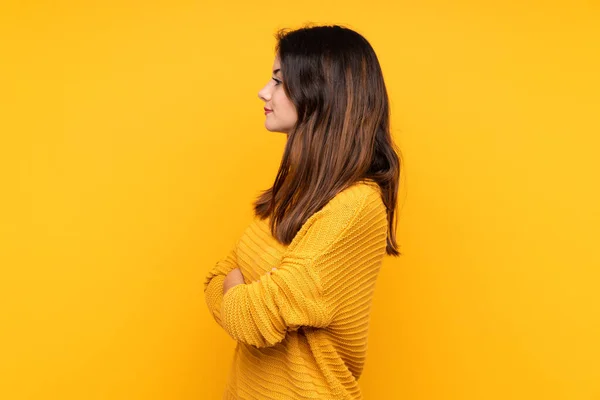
353, 209
359, 198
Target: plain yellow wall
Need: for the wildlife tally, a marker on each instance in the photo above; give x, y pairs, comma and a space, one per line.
133, 145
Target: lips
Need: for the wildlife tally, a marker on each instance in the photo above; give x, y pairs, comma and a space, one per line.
268, 109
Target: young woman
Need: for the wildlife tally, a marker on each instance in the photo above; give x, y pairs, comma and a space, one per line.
295, 291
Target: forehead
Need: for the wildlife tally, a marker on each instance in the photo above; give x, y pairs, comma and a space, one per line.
276, 63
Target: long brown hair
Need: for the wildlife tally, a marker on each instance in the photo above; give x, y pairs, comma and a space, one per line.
342, 136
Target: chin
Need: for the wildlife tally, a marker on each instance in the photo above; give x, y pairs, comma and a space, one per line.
275, 129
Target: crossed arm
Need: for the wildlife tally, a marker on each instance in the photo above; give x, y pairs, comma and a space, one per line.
261, 312
220, 279
328, 250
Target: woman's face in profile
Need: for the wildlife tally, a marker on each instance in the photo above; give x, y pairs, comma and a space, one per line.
282, 115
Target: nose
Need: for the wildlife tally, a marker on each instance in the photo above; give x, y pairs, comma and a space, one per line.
264, 94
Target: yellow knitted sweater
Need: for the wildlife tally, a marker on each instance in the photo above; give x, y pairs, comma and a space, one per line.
302, 329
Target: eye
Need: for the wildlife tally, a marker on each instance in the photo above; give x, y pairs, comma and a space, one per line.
278, 82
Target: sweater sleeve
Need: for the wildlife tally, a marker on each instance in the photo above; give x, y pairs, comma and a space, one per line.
213, 282
305, 288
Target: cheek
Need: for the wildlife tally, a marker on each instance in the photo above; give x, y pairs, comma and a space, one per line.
283, 102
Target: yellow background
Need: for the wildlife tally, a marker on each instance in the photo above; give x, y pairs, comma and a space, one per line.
133, 145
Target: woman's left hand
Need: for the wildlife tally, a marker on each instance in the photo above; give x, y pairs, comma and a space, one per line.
235, 277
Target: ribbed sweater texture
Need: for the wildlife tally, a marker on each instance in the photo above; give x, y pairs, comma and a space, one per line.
302, 330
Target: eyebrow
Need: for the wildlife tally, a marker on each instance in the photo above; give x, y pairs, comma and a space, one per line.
276, 71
